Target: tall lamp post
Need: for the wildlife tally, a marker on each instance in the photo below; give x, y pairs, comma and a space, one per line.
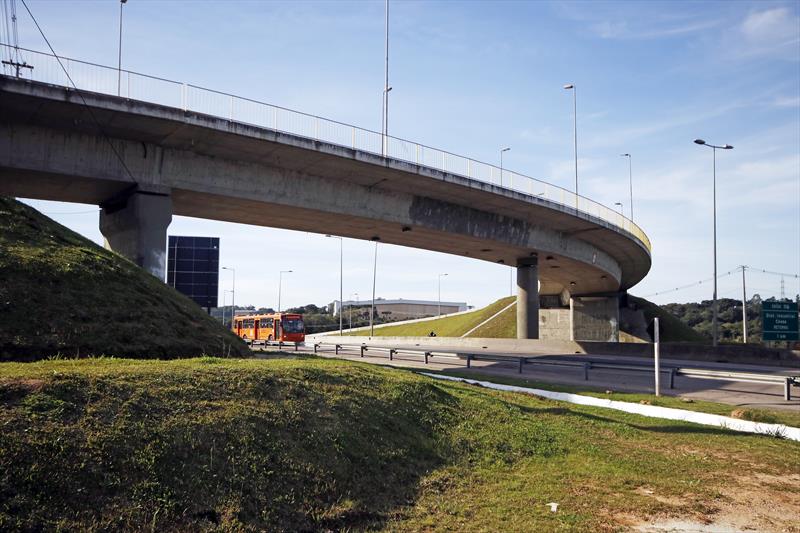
374, 278
621, 208
350, 307
440, 293
233, 291
119, 63
280, 283
568, 87
714, 324
386, 88
630, 179
501, 164
341, 281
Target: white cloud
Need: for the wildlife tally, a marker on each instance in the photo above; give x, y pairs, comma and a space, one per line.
786, 101
771, 32
621, 30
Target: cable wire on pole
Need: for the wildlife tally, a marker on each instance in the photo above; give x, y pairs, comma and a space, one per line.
78, 91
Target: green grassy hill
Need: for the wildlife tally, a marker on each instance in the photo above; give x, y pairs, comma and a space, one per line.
504, 326
327, 445
452, 326
672, 329
61, 294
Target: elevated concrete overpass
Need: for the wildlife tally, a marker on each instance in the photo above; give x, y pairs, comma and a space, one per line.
143, 162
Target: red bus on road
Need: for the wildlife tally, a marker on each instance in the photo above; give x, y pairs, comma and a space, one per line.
278, 327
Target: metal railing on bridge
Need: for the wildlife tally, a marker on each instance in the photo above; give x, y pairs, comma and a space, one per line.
92, 77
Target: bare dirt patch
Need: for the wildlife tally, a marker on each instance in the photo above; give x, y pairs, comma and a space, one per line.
757, 502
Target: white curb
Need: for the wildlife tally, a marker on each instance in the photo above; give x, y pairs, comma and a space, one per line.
653, 411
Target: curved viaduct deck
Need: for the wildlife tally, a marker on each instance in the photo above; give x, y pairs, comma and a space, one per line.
52, 148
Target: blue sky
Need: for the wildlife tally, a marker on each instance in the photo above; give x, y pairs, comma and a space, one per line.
474, 77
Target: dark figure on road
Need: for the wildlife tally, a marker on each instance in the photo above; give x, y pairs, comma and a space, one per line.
432, 334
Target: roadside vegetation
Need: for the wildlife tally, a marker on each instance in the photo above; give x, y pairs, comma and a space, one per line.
62, 295
448, 326
315, 444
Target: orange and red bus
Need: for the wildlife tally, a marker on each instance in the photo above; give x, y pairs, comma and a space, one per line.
278, 327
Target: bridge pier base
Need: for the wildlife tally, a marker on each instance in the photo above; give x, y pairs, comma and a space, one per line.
528, 298
594, 318
135, 226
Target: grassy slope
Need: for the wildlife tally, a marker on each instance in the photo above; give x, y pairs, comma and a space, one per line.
62, 294
311, 444
505, 325
672, 329
502, 327
453, 326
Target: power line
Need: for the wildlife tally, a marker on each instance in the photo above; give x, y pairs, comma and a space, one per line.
89, 109
697, 283
783, 274
690, 285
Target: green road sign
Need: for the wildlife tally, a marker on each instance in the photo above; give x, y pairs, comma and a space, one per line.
780, 321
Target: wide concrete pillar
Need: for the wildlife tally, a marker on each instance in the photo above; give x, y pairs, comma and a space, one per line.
528, 298
135, 226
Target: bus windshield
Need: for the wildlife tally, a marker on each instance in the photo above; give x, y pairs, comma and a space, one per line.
292, 325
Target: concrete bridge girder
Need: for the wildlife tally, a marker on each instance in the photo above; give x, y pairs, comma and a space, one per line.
211, 168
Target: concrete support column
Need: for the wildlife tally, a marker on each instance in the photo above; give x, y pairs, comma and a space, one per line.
594, 318
528, 298
135, 226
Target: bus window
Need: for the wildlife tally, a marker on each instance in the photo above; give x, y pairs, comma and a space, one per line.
293, 325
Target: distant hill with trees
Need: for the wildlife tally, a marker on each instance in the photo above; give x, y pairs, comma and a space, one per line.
699, 317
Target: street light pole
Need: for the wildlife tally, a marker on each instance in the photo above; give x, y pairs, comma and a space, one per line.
350, 307
501, 164
341, 281
280, 283
119, 63
224, 295
386, 89
374, 277
233, 291
621, 208
571, 86
630, 179
714, 325
440, 294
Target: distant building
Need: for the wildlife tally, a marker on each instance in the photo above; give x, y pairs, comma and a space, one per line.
399, 309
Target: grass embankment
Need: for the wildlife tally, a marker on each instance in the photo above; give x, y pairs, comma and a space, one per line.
450, 326
764, 415
672, 329
312, 444
504, 326
61, 294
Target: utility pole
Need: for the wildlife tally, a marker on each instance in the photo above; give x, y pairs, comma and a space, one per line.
744, 307
14, 60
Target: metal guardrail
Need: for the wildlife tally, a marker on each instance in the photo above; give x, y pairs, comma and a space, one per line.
786, 381
92, 77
